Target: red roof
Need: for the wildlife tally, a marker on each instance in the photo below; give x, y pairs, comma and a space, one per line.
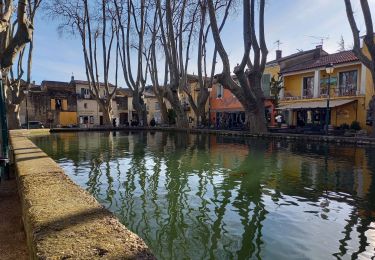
322, 61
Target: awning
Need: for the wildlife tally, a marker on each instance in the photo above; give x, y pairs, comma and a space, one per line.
227, 109
315, 104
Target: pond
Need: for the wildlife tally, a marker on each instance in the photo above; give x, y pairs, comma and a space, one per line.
215, 197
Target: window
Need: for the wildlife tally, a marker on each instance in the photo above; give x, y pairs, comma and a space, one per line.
308, 86
219, 91
85, 93
157, 106
348, 83
58, 104
91, 120
85, 105
266, 80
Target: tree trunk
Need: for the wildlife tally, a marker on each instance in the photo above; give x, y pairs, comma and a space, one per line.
163, 110
255, 122
13, 117
140, 107
202, 119
106, 112
181, 121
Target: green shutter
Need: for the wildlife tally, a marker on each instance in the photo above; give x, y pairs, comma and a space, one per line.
266, 80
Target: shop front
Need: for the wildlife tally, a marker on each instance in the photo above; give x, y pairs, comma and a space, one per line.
314, 113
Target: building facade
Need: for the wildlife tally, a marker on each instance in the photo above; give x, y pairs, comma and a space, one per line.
53, 103
308, 89
69, 104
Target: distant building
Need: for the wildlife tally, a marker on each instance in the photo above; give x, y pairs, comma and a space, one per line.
67, 104
124, 101
54, 103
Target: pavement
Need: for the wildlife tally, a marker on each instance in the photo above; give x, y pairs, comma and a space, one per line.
12, 236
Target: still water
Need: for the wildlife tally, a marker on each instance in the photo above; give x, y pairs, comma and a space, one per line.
210, 197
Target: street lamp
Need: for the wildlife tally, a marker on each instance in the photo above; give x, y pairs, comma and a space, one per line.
329, 71
26, 92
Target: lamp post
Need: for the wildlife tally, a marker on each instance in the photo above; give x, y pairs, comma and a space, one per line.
329, 71
26, 92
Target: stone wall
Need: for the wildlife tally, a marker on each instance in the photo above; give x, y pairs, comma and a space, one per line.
61, 220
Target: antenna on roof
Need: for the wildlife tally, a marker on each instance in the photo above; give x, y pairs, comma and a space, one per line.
299, 50
320, 38
278, 42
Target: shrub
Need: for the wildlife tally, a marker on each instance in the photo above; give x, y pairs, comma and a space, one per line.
344, 126
355, 126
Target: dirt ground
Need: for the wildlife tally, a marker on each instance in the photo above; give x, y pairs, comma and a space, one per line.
12, 236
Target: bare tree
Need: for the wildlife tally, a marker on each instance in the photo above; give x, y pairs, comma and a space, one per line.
176, 22
249, 72
199, 105
159, 91
95, 23
15, 86
341, 44
13, 41
368, 38
135, 19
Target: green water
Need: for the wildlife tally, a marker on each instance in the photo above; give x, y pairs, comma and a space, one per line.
209, 197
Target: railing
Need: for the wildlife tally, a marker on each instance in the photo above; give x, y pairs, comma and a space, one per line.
335, 92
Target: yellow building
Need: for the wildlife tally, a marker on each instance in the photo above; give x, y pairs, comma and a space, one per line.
193, 88
305, 95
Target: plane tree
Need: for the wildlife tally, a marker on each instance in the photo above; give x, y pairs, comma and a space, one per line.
95, 24
247, 87
368, 38
16, 41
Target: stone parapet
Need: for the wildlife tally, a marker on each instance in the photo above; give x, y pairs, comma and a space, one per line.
63, 221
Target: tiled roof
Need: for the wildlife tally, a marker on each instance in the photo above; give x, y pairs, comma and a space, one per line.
58, 86
292, 56
124, 91
322, 61
52, 83
85, 82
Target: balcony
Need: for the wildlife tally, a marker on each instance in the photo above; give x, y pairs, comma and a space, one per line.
342, 91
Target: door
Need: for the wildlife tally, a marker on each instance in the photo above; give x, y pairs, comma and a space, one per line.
101, 120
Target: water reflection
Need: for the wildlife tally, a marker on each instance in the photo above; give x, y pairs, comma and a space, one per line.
209, 197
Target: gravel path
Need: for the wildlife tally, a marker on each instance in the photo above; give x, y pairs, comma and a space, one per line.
12, 236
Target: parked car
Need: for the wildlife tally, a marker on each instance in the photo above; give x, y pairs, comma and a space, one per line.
33, 125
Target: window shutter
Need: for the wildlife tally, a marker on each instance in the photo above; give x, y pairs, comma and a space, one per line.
65, 105
266, 80
53, 104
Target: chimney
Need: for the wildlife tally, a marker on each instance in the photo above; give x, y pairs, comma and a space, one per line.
72, 78
278, 54
318, 50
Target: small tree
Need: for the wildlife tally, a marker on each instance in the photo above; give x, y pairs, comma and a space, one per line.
276, 85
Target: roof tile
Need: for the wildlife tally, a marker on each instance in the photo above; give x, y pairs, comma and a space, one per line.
322, 61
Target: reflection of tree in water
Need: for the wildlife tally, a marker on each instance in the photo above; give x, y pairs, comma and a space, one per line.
93, 182
368, 208
179, 197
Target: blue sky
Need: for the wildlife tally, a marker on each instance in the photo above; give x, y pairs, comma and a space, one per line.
292, 22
